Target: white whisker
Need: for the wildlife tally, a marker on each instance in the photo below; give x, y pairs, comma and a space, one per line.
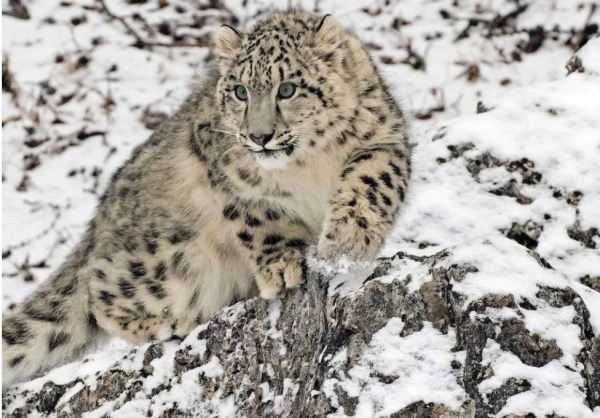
225, 132
234, 148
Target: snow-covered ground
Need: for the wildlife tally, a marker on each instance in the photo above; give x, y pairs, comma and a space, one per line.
86, 97
80, 96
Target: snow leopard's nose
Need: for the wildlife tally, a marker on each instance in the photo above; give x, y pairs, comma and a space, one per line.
262, 139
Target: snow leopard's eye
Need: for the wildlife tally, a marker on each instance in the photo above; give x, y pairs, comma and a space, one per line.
286, 90
241, 93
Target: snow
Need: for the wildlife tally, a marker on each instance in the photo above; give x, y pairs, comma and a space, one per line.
488, 256
163, 369
289, 391
517, 127
418, 364
348, 277
554, 389
69, 393
273, 332
590, 56
274, 314
535, 113
101, 358
184, 391
556, 324
67, 183
197, 346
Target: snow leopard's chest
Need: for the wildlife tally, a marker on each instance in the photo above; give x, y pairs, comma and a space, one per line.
304, 192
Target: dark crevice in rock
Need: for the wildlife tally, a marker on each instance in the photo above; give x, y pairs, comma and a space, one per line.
574, 65
49, 396
527, 305
380, 270
471, 335
348, 403
536, 39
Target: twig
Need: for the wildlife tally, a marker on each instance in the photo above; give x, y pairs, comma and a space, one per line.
46, 231
139, 41
137, 16
72, 32
413, 59
440, 107
498, 22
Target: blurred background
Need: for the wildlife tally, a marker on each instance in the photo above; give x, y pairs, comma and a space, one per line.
85, 81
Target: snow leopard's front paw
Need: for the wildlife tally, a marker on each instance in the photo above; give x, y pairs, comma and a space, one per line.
348, 232
281, 271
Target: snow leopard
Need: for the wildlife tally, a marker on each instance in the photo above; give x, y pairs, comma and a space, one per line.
291, 145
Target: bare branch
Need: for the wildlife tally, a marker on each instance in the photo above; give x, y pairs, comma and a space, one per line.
140, 42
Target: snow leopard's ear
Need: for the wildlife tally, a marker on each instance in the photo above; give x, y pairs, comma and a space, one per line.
328, 35
227, 40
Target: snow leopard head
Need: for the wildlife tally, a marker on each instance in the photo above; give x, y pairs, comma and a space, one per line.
287, 87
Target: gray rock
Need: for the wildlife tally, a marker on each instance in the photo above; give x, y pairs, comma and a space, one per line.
298, 357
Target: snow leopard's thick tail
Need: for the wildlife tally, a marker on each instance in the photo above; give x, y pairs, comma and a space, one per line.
51, 326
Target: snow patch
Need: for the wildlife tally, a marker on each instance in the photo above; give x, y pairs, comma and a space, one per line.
419, 365
554, 388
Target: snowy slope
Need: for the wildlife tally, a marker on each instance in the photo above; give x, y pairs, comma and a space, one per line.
85, 96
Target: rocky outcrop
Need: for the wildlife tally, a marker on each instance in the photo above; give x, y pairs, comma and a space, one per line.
472, 331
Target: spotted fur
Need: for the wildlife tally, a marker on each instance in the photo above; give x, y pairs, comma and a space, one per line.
203, 214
